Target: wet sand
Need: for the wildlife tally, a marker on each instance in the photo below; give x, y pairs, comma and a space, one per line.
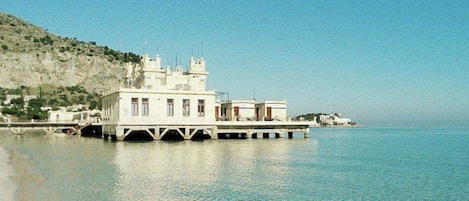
20, 182
7, 185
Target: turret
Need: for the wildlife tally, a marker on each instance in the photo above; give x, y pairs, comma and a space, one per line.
149, 64
197, 66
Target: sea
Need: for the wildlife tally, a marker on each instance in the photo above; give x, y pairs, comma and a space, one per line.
333, 164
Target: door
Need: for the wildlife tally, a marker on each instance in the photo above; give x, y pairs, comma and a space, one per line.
236, 112
257, 114
269, 113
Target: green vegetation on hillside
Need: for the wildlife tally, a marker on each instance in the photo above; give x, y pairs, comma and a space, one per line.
310, 117
19, 36
46, 96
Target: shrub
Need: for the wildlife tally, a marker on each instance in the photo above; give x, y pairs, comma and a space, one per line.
11, 111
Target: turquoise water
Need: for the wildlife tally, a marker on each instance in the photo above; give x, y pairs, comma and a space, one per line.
334, 164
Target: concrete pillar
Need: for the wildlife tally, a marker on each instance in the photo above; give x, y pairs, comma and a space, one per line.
187, 133
214, 133
157, 133
249, 134
307, 133
119, 134
279, 135
117, 137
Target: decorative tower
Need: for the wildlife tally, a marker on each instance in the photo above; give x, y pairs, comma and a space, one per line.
152, 72
197, 66
198, 73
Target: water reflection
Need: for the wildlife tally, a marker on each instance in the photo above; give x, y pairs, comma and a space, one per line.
78, 168
203, 169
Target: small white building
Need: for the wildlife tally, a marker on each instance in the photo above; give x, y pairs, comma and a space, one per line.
334, 120
238, 110
272, 111
8, 99
63, 115
26, 99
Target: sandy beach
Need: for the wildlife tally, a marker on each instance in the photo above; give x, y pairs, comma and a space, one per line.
18, 182
7, 185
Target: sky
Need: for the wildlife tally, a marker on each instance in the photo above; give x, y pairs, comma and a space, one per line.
381, 63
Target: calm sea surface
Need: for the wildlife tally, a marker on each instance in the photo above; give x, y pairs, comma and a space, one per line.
334, 164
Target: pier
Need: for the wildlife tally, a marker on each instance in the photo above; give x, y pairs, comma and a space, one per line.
217, 130
261, 129
50, 128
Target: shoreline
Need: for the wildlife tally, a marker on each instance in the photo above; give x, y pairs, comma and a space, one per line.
20, 182
8, 186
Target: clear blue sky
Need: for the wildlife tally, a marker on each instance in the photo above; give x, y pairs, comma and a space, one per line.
382, 63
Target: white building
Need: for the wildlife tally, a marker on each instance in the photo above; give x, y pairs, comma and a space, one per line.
238, 110
26, 99
334, 119
272, 111
164, 102
64, 115
159, 101
9, 98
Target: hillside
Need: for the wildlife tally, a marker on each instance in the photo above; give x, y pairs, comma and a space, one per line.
30, 56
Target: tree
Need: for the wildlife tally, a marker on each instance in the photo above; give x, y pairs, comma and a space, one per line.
53, 102
11, 111
35, 113
17, 101
93, 105
37, 103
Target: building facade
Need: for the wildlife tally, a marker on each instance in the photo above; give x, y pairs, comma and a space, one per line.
334, 120
238, 110
272, 111
160, 101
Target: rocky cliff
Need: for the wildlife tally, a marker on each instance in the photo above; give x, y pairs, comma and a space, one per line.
30, 56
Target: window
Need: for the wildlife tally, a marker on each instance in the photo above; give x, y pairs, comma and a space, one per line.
170, 107
185, 107
145, 108
201, 108
134, 106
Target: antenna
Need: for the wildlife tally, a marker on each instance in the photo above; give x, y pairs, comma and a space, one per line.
254, 93
192, 52
145, 46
